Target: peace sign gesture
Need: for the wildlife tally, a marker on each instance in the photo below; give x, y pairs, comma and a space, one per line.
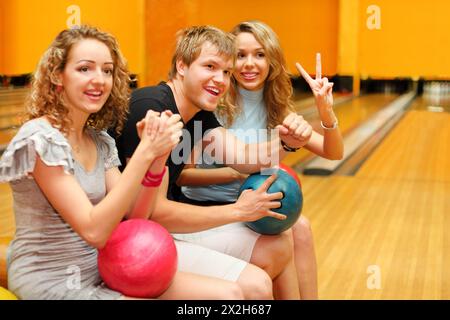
321, 88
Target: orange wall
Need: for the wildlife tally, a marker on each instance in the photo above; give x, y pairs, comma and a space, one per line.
36, 23
146, 28
2, 40
348, 35
304, 27
162, 20
414, 39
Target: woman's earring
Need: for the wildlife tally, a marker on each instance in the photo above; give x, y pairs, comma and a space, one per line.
59, 88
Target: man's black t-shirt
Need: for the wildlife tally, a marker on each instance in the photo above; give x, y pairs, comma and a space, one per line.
160, 98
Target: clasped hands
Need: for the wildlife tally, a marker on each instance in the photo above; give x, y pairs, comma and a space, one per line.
162, 130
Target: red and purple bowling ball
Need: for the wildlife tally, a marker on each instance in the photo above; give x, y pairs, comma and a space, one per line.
291, 172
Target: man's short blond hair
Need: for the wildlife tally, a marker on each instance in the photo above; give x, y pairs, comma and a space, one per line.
190, 41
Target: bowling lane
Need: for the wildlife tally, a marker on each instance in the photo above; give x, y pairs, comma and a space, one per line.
416, 149
12, 119
391, 216
432, 103
12, 102
7, 226
13, 96
12, 108
400, 228
350, 114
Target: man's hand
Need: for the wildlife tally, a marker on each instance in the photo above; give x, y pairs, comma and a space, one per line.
256, 204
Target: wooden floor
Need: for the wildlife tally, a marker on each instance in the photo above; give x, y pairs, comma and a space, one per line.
12, 107
6, 211
388, 225
390, 222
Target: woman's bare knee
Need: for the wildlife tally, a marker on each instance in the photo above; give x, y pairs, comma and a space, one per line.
302, 232
194, 287
232, 292
273, 253
255, 283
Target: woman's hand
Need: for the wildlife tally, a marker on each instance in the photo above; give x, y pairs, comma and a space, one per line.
323, 93
161, 132
140, 125
256, 204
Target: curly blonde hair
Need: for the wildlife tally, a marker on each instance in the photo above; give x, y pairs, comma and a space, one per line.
46, 100
277, 87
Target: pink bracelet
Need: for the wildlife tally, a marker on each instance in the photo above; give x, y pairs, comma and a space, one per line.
153, 180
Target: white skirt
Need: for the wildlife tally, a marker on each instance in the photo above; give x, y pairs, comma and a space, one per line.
221, 252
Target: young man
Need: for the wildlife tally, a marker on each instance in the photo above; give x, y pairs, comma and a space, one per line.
199, 77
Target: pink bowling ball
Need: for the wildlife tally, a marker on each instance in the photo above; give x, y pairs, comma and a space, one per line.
139, 259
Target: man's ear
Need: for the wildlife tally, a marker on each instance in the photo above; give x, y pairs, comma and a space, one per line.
181, 67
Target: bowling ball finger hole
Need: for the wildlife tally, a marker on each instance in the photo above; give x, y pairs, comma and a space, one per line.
280, 200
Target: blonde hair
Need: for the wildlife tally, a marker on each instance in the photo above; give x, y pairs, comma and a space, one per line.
277, 86
46, 100
190, 41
